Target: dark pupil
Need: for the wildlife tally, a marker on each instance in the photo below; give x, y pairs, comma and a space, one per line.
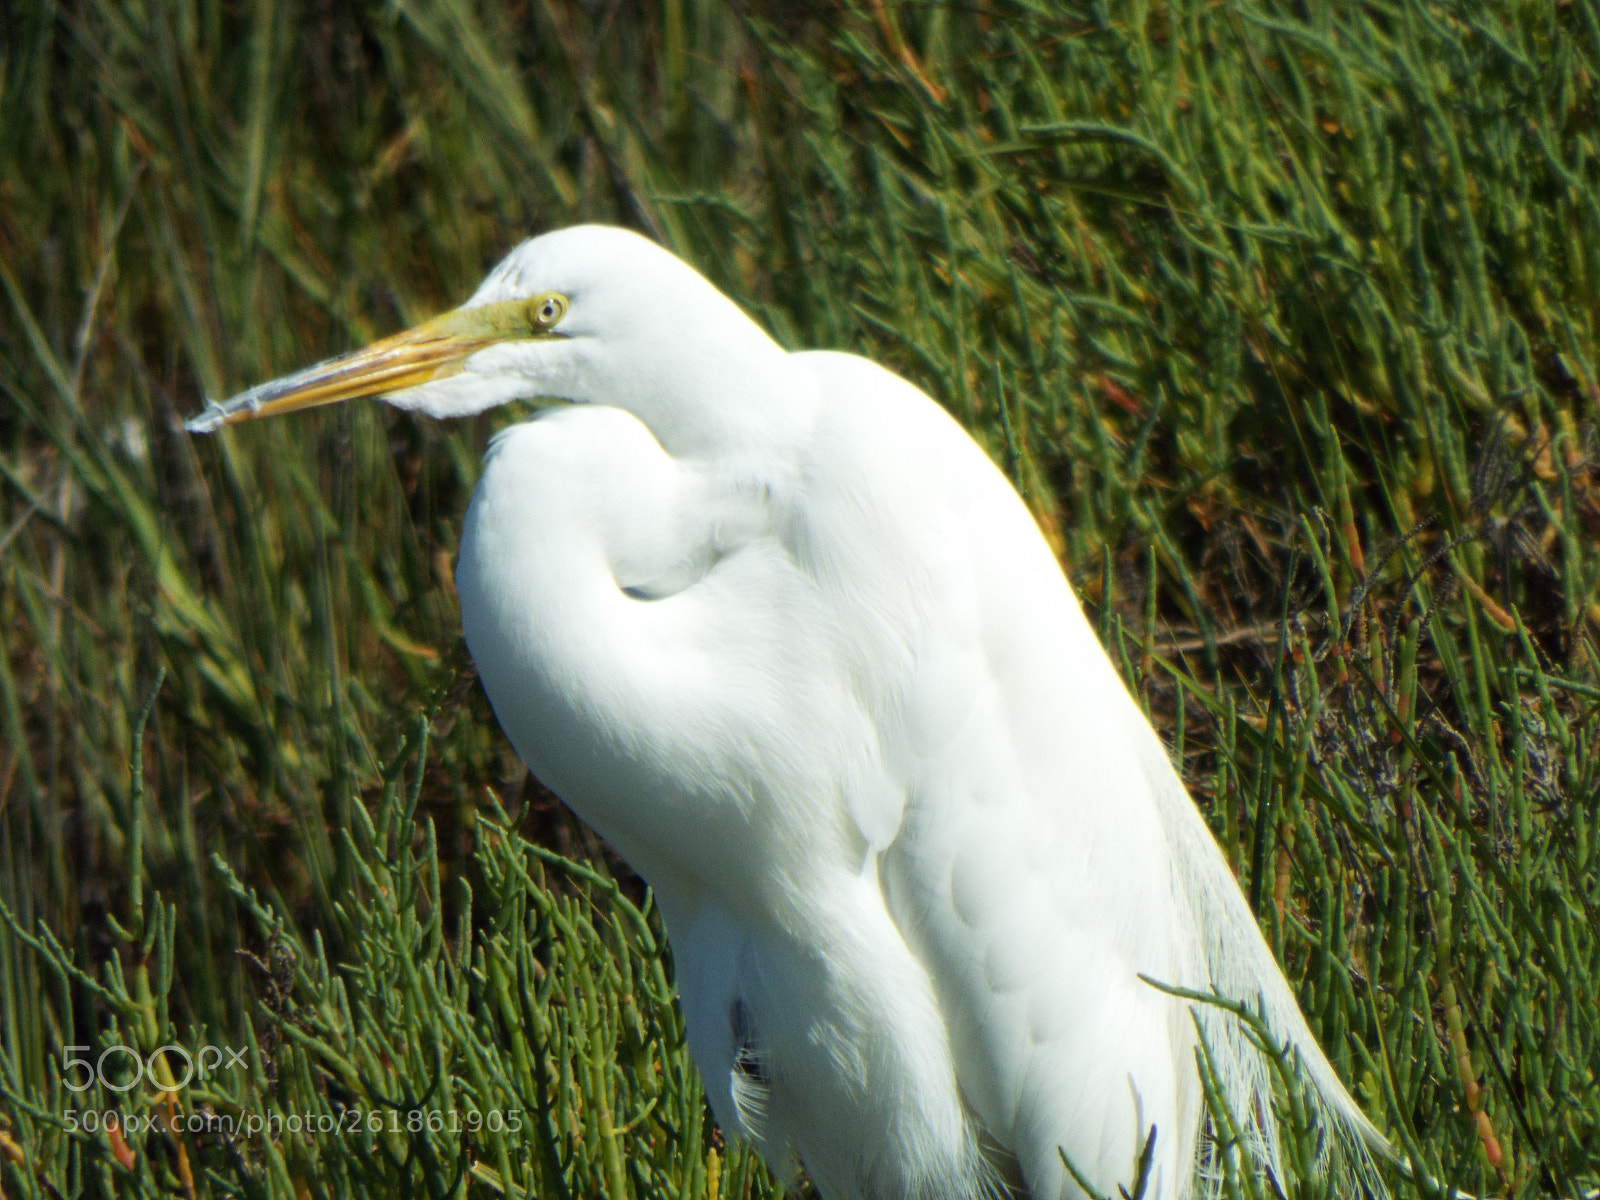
547, 310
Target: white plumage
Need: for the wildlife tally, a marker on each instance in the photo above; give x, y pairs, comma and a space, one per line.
774, 625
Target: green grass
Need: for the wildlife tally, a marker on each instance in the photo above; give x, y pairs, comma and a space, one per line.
1283, 316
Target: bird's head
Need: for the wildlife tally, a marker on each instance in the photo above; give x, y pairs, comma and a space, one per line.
590, 314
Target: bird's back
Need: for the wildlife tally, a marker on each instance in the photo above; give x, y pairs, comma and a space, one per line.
1020, 856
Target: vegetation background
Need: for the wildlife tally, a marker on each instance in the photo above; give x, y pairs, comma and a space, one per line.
1282, 314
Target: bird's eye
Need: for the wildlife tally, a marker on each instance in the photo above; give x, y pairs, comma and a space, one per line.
547, 309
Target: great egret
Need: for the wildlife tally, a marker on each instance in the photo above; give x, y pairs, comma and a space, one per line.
775, 626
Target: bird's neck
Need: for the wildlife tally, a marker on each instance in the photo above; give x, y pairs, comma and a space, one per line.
743, 399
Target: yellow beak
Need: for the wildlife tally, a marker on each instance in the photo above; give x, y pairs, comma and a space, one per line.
433, 350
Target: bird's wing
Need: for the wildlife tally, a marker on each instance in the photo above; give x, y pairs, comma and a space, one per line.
1038, 853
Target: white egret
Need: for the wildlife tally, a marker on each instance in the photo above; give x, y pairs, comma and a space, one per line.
775, 626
